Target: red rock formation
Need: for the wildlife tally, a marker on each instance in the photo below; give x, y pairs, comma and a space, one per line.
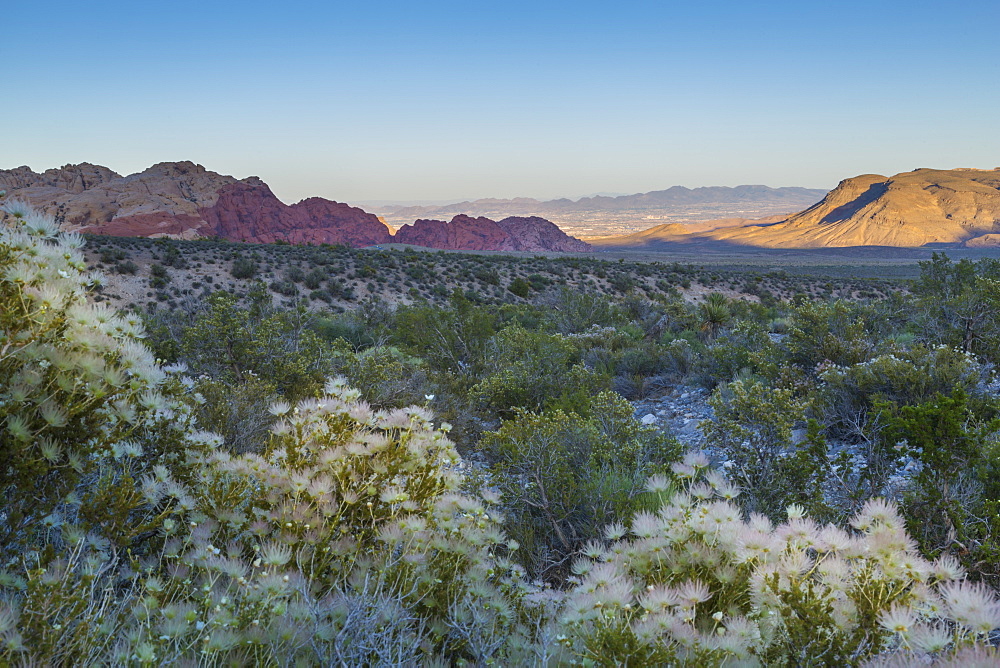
186, 201
246, 212
510, 234
324, 221
462, 233
538, 234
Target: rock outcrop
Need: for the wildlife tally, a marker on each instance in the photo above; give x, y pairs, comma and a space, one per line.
510, 234
247, 212
926, 206
186, 201
463, 232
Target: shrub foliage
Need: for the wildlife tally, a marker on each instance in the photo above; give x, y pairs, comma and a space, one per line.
318, 529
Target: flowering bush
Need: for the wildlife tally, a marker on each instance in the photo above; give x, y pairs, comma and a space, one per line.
85, 411
847, 392
695, 584
131, 537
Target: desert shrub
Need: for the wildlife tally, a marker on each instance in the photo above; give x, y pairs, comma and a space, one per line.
112, 255
745, 348
225, 340
453, 339
385, 375
353, 331
562, 475
520, 287
945, 497
314, 279
243, 267
527, 369
752, 427
126, 267
676, 361
294, 274
236, 409
827, 332
286, 288
958, 304
905, 378
574, 312
695, 584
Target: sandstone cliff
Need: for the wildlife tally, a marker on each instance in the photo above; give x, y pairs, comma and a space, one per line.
510, 234
186, 201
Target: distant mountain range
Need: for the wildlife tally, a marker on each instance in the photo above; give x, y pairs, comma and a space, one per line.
788, 199
184, 200
957, 207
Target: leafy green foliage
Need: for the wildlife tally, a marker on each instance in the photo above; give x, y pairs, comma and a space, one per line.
827, 332
225, 340
520, 287
944, 436
243, 268
532, 370
753, 426
563, 475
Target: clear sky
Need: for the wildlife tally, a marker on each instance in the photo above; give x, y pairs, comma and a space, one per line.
447, 100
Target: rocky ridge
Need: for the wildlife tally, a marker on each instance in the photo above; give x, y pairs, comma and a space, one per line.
958, 207
510, 234
186, 201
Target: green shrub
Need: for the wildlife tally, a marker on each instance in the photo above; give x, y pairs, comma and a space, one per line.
951, 446
832, 332
752, 426
745, 348
562, 476
387, 377
126, 267
314, 279
243, 267
520, 287
225, 340
531, 370
905, 378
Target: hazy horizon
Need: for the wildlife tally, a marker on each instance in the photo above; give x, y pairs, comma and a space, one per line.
446, 102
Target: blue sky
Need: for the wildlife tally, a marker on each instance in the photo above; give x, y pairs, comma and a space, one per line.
448, 100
